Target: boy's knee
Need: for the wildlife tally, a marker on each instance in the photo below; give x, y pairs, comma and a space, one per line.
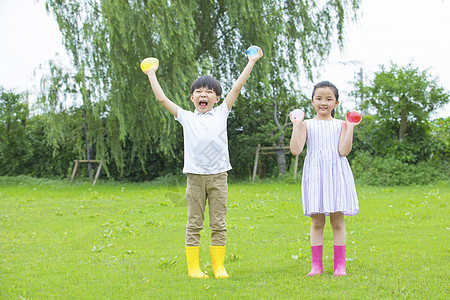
218, 225
218, 236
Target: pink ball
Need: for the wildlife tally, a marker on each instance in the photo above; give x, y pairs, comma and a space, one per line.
296, 114
354, 116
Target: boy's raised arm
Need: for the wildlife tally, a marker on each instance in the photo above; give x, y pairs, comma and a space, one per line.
242, 79
159, 93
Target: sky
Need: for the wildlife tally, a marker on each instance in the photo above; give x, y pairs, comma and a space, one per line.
398, 31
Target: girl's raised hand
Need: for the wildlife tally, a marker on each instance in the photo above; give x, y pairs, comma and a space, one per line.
254, 53
353, 118
297, 116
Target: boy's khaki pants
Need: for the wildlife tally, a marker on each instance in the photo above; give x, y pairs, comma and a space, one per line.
199, 188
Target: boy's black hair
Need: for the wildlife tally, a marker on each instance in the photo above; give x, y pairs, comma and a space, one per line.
327, 84
207, 82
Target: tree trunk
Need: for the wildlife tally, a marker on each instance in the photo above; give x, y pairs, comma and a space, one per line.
89, 151
403, 124
281, 159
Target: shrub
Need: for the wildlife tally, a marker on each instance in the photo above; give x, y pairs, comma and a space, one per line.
390, 171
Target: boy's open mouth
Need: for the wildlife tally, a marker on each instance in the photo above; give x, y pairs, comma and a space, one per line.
202, 103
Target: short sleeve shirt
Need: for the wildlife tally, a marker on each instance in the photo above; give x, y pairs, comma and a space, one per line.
205, 140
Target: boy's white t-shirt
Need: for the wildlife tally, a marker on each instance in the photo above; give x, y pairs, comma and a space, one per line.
205, 140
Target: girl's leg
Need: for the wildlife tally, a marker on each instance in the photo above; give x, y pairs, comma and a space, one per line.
317, 226
339, 237
338, 226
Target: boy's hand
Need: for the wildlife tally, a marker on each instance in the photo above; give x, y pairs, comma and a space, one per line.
149, 64
153, 69
237, 86
255, 58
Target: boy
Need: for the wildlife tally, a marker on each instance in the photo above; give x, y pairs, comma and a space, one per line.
206, 161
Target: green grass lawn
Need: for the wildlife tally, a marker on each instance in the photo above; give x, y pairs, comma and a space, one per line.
126, 241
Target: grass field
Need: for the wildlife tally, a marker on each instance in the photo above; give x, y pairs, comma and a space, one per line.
126, 241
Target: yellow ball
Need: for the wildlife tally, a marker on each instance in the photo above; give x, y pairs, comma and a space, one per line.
148, 63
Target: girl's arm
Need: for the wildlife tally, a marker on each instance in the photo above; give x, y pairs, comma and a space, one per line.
298, 137
346, 139
157, 90
242, 79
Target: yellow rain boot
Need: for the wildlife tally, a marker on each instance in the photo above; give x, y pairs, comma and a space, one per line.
217, 258
192, 256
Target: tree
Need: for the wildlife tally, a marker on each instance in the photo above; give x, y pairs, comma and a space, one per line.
14, 146
56, 90
108, 39
403, 98
403, 95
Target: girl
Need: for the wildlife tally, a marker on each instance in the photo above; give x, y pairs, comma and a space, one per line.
328, 187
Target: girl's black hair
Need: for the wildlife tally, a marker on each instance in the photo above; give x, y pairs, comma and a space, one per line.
207, 82
327, 84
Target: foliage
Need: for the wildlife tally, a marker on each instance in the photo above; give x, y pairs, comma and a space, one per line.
391, 171
15, 149
108, 39
398, 145
247, 130
120, 241
441, 133
44, 160
424, 141
26, 142
402, 95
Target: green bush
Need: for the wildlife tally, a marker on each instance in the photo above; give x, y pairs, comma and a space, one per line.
390, 171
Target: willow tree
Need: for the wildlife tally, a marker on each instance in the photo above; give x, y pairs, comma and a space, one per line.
108, 38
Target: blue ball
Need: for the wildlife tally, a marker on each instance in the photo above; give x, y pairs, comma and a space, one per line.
252, 51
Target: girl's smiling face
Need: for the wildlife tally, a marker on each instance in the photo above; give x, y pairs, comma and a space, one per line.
324, 101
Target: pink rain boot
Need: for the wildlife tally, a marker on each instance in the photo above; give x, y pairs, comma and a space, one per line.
317, 266
339, 261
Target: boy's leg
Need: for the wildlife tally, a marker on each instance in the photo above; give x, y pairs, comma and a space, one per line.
217, 189
193, 262
196, 201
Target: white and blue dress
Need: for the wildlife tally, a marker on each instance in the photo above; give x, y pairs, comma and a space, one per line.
328, 185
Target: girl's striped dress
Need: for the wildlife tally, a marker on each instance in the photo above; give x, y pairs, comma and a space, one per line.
327, 184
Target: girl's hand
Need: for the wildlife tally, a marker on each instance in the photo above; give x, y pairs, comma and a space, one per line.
255, 58
351, 124
355, 118
297, 116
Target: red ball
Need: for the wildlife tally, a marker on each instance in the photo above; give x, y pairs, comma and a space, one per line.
354, 116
